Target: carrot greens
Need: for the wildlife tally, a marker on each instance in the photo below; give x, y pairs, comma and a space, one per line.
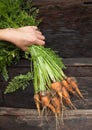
47, 67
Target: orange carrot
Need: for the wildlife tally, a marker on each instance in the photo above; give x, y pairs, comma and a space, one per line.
56, 86
37, 101
46, 101
66, 96
56, 103
74, 85
67, 86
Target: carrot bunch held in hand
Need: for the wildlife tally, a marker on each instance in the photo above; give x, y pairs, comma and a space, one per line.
52, 87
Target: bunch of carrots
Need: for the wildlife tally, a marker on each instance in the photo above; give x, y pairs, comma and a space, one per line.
52, 87
58, 96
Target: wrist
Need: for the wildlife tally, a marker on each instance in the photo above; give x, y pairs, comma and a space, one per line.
5, 34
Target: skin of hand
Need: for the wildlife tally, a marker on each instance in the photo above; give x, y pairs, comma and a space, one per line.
23, 37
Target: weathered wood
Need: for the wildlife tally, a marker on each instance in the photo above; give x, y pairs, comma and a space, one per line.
84, 61
25, 119
63, 2
78, 62
22, 123
23, 66
67, 26
79, 67
79, 71
6, 111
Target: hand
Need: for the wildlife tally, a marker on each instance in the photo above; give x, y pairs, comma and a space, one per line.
24, 36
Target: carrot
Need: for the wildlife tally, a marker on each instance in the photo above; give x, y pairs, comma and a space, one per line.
46, 101
56, 86
74, 85
67, 86
37, 101
56, 103
66, 96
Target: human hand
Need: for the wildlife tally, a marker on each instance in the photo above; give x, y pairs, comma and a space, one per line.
24, 37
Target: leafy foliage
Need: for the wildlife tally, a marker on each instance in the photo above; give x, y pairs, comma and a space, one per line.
14, 14
7, 57
21, 81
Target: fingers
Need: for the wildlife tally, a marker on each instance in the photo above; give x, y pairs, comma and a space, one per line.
40, 38
38, 32
34, 27
39, 42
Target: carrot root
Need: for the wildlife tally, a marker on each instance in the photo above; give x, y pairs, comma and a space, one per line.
37, 101
56, 86
56, 103
57, 96
74, 85
67, 86
46, 101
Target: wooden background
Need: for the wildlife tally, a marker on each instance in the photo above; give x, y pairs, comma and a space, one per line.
67, 26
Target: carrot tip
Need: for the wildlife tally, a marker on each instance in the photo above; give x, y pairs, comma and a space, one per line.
37, 102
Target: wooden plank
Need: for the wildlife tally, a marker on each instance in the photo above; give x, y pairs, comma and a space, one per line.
65, 3
26, 119
6, 111
78, 62
78, 71
79, 67
22, 123
87, 61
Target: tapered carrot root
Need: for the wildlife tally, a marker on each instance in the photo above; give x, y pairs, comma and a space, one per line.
46, 101
66, 96
74, 85
57, 87
57, 96
67, 86
56, 103
37, 101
